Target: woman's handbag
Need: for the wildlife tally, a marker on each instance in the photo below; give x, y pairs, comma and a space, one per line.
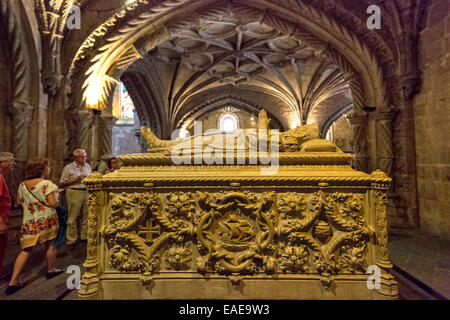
62, 218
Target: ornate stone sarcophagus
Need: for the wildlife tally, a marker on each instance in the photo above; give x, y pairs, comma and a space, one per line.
310, 230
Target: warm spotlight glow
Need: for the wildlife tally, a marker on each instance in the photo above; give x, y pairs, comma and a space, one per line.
93, 93
183, 133
294, 124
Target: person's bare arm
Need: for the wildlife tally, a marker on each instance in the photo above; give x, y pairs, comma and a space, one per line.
68, 183
19, 199
52, 199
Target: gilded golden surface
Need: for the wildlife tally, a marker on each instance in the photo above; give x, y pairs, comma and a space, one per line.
313, 220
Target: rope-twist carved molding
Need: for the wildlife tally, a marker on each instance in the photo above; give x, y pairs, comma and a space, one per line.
17, 52
316, 180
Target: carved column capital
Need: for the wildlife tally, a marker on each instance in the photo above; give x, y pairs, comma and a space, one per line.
107, 121
20, 110
51, 82
386, 114
84, 118
410, 85
358, 118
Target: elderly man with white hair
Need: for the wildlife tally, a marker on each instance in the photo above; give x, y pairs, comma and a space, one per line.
77, 196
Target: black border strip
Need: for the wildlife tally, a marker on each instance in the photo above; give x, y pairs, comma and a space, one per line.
64, 294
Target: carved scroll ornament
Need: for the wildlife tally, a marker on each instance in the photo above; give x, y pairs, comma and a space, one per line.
235, 233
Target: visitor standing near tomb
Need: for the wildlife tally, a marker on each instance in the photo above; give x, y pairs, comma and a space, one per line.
77, 196
103, 165
107, 164
113, 165
7, 163
38, 197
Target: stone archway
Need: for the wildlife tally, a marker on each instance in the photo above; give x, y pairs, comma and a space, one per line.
366, 79
368, 62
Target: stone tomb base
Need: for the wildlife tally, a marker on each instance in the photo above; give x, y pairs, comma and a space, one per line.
311, 230
193, 287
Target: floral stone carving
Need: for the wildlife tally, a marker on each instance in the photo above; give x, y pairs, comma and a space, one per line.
238, 232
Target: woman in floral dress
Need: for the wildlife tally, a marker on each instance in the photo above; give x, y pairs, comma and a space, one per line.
38, 198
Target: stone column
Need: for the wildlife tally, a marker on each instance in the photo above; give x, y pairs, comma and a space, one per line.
404, 172
105, 126
21, 115
388, 285
359, 121
384, 146
90, 284
84, 121
141, 140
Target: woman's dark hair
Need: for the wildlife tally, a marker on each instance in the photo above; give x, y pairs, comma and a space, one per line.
35, 168
109, 162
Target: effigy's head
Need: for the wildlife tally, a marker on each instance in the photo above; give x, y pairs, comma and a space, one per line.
289, 143
263, 120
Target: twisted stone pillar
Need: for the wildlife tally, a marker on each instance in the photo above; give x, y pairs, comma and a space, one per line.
359, 121
84, 121
21, 115
105, 126
385, 154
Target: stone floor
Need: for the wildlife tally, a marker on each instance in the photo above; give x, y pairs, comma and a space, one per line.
37, 286
422, 267
424, 258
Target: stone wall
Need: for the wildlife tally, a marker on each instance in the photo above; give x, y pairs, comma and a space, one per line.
342, 134
124, 140
211, 119
432, 118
